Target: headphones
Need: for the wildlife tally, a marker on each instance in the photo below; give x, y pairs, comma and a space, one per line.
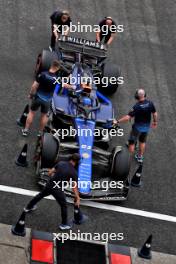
136, 95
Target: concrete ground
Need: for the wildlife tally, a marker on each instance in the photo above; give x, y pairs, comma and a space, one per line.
16, 250
145, 52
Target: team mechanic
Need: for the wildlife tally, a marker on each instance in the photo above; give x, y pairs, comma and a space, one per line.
63, 172
141, 112
59, 21
108, 35
41, 94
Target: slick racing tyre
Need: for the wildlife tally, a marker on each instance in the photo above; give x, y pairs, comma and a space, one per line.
50, 149
110, 71
45, 60
121, 165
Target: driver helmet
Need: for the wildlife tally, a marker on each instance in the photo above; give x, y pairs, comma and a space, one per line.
87, 101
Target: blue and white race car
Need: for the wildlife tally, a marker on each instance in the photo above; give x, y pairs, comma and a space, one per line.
103, 174
107, 74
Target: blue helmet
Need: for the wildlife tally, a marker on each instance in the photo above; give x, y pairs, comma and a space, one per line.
87, 101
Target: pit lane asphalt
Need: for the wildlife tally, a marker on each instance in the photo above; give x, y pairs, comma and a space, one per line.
145, 53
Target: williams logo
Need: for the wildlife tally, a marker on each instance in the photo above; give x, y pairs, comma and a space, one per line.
81, 41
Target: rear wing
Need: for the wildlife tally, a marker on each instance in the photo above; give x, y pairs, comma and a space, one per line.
88, 48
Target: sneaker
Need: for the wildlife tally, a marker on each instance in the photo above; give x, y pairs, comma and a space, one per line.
140, 159
26, 210
25, 132
65, 227
40, 134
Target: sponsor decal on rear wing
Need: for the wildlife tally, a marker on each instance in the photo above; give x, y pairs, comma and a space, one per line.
84, 42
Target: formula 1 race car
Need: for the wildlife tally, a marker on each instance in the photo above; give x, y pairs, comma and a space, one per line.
86, 112
107, 75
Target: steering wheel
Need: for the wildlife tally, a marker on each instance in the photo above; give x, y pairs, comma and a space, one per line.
88, 110
74, 93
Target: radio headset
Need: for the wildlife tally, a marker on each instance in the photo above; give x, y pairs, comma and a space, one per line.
136, 96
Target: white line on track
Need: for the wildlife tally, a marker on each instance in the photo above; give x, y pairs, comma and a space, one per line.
107, 207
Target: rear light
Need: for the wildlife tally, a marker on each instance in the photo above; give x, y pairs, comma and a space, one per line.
42, 251
42, 248
120, 259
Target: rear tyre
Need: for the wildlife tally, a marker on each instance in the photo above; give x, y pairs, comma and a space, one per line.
110, 70
44, 61
50, 149
121, 165
47, 57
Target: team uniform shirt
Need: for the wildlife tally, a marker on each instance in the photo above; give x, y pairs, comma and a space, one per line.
65, 172
56, 19
103, 33
141, 112
46, 87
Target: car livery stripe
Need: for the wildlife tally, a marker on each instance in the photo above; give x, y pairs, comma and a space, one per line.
85, 139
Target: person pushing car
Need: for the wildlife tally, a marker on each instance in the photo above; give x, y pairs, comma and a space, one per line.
62, 173
41, 94
106, 35
141, 112
60, 23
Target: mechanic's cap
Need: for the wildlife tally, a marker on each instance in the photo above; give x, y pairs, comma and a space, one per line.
75, 157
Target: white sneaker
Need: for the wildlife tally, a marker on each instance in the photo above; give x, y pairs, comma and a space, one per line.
40, 133
25, 132
65, 227
26, 210
139, 159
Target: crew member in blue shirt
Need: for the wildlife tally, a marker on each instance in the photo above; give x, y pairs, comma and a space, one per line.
142, 113
41, 94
